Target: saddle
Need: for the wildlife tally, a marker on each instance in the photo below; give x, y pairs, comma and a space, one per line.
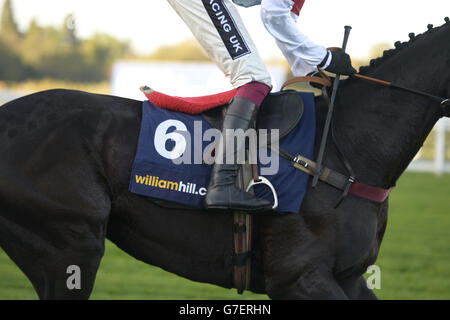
282, 111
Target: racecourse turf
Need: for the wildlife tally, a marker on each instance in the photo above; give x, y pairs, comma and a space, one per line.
414, 258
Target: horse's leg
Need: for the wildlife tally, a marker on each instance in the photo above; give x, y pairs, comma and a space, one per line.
53, 224
357, 289
317, 283
297, 261
62, 264
73, 274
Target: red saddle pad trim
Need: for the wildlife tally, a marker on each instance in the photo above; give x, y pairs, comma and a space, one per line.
190, 105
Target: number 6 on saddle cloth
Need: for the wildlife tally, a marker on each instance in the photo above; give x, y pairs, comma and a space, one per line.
156, 176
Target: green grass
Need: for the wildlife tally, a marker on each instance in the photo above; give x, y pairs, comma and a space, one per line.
414, 258
415, 253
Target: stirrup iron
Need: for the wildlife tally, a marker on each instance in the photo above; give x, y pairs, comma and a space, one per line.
263, 180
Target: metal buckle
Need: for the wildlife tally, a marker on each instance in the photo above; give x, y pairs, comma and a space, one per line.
263, 180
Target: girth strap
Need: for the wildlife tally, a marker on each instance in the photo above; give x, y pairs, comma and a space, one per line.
340, 181
242, 244
242, 235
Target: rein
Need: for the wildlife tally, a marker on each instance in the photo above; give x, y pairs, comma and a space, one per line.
325, 81
444, 102
348, 184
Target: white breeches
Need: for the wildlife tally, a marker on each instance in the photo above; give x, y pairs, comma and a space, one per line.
218, 27
302, 54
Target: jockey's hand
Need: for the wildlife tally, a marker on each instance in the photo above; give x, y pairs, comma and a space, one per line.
340, 64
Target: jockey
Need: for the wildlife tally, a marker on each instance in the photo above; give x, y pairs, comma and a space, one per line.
220, 30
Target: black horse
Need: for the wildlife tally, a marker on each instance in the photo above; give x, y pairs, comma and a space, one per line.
65, 165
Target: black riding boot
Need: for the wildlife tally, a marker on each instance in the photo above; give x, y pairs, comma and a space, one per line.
222, 191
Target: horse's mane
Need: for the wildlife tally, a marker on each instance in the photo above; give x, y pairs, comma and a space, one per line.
399, 46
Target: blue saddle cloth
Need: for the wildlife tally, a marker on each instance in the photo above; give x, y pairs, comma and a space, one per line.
166, 137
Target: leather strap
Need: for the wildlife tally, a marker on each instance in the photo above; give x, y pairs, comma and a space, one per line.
242, 244
242, 236
341, 181
323, 80
334, 49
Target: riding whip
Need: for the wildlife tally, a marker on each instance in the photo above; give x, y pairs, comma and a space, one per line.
326, 128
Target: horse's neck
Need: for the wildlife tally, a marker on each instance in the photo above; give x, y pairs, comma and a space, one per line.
381, 129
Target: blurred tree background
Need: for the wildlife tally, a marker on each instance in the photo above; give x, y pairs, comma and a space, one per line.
55, 52
43, 57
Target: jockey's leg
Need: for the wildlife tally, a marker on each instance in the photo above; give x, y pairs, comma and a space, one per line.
222, 190
218, 27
